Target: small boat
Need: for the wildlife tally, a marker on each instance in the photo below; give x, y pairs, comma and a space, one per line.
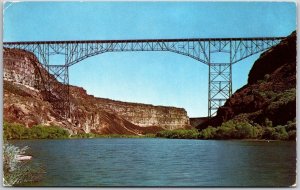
23, 157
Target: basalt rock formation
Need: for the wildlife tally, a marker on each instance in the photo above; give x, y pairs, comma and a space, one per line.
271, 90
25, 103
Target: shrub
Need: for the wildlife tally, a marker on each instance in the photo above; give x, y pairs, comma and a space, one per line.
18, 131
268, 123
244, 130
257, 131
268, 133
13, 130
15, 171
225, 132
236, 130
179, 134
283, 99
84, 135
291, 125
49, 132
281, 133
278, 133
208, 133
233, 130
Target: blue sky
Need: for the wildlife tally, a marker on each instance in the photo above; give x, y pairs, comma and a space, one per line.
159, 78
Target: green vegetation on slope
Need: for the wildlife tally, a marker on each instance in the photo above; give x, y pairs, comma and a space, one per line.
228, 130
237, 130
18, 131
283, 98
179, 134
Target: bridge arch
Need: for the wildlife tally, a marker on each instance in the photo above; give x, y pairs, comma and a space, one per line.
102, 52
158, 75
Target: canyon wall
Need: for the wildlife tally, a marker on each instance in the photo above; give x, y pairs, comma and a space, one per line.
147, 115
24, 102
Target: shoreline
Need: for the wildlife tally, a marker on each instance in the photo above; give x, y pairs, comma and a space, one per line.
148, 137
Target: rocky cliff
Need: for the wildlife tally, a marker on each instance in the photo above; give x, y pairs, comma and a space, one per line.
271, 90
24, 102
147, 115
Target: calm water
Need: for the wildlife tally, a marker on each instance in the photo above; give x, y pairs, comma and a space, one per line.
163, 162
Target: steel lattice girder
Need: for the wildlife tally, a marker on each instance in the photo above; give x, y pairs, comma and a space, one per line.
196, 48
220, 86
220, 75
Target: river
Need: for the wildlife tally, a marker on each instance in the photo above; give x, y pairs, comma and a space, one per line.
163, 162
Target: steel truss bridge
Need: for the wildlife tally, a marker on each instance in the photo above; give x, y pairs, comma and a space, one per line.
200, 49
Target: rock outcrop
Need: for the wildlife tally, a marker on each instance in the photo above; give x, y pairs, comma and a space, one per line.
147, 115
271, 90
24, 102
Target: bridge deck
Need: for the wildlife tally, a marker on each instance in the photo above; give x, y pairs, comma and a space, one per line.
142, 40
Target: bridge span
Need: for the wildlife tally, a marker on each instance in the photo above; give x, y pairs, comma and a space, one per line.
200, 49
